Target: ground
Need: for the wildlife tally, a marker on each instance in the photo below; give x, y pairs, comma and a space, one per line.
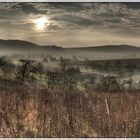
61, 111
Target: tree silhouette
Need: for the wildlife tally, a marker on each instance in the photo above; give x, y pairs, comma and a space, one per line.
7, 67
24, 69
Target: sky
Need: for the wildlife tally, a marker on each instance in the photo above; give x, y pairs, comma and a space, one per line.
71, 24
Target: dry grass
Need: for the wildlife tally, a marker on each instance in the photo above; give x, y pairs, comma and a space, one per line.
66, 112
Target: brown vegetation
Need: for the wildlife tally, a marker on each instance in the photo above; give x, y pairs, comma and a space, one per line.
63, 111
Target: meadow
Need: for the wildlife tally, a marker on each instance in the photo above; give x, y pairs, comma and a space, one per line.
66, 112
57, 108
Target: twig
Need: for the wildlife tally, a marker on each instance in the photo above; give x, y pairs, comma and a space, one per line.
107, 107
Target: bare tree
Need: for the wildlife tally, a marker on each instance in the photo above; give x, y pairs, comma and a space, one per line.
130, 68
63, 64
24, 69
7, 67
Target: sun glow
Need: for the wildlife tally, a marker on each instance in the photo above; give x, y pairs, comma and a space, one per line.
41, 23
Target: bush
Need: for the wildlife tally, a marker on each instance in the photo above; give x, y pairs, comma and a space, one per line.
108, 83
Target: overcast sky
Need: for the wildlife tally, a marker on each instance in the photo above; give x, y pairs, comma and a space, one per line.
72, 24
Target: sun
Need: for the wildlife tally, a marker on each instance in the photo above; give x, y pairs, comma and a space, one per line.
41, 23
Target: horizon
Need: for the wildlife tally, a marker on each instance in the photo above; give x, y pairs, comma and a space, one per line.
71, 24
68, 47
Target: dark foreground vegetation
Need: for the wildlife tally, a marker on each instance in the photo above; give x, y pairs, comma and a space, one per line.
36, 102
66, 112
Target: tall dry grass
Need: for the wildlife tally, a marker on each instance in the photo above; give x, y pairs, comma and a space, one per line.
60, 111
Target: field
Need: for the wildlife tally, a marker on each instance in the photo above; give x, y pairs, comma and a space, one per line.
37, 100
69, 70
29, 111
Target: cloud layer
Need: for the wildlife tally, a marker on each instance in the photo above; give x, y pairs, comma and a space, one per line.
72, 24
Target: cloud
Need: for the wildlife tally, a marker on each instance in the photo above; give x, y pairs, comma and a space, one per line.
120, 20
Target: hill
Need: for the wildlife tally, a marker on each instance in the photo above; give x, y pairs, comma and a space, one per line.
25, 47
109, 48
